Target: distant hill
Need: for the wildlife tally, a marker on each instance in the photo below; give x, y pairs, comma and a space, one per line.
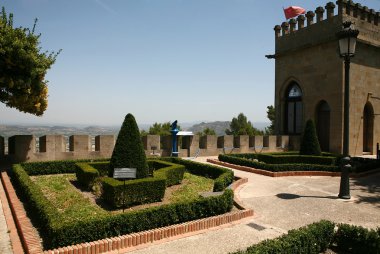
7, 131
219, 127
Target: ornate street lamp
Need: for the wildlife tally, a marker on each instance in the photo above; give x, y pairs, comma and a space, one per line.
347, 44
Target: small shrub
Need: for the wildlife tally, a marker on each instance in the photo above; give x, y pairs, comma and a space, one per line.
309, 142
356, 239
314, 238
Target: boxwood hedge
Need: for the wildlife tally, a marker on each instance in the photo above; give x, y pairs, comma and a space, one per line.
222, 177
317, 237
289, 158
277, 167
138, 191
57, 232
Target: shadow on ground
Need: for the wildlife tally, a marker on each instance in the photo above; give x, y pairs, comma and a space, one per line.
370, 189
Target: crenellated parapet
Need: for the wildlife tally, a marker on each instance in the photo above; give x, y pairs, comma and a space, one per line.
23, 148
323, 23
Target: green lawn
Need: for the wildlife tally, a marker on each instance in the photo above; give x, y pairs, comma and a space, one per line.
66, 198
191, 186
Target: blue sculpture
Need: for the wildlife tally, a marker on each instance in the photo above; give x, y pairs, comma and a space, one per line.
174, 130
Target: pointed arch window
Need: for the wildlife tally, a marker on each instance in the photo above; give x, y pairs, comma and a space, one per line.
293, 109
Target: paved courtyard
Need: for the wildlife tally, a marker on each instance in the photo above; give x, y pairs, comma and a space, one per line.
281, 204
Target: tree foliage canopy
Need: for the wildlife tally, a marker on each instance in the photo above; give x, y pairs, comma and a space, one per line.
241, 126
162, 129
23, 67
206, 131
271, 115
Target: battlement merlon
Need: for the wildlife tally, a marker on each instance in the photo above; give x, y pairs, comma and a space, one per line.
323, 29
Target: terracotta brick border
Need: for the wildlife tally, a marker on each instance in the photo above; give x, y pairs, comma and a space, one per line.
119, 244
28, 235
288, 173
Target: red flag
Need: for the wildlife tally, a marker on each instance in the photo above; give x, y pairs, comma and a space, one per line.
293, 11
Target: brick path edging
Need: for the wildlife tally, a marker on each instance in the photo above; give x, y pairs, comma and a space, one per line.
119, 244
29, 239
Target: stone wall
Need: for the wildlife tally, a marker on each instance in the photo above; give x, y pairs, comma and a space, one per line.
24, 148
308, 55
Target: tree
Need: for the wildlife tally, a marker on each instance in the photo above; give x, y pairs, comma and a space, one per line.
23, 67
129, 151
309, 142
162, 129
241, 126
206, 131
271, 115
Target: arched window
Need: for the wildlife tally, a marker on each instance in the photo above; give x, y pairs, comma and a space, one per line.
293, 109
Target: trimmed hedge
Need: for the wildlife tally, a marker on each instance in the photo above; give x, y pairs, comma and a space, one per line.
101, 166
129, 149
309, 141
173, 173
282, 158
364, 164
277, 167
57, 232
356, 239
139, 191
53, 167
86, 174
317, 237
223, 177
312, 239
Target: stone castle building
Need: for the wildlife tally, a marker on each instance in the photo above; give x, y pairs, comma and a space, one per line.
309, 81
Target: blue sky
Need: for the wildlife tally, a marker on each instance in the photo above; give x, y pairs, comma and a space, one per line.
161, 60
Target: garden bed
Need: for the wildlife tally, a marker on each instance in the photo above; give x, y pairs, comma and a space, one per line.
62, 230
291, 162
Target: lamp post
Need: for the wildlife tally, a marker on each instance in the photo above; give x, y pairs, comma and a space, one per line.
347, 44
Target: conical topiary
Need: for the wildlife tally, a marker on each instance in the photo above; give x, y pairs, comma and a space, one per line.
129, 150
309, 142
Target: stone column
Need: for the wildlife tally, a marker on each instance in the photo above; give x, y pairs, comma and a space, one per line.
285, 28
377, 18
301, 21
357, 10
292, 23
277, 31
342, 7
330, 6
310, 18
364, 13
371, 16
319, 11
